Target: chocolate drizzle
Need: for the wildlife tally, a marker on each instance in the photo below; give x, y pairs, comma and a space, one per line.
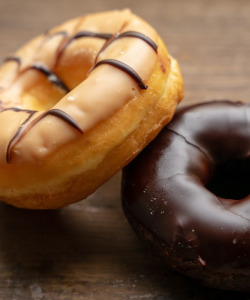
49, 36
25, 127
13, 58
61, 115
137, 35
125, 68
133, 34
52, 77
83, 34
122, 66
17, 109
15, 138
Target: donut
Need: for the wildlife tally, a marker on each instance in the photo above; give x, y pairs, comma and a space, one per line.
77, 103
188, 194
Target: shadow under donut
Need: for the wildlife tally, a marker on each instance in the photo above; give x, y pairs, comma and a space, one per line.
79, 250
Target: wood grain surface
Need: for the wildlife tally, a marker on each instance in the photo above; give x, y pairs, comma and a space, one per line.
88, 250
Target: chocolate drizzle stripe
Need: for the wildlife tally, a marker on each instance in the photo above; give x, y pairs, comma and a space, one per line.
59, 114
51, 35
52, 77
81, 34
22, 130
134, 34
125, 68
84, 34
17, 109
13, 58
138, 35
15, 138
63, 116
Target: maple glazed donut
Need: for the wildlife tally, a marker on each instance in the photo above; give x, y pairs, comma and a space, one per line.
188, 193
78, 103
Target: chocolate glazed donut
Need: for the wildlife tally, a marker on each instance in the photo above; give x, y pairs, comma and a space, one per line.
188, 194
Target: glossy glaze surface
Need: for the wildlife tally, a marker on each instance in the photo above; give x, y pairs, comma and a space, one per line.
165, 189
105, 51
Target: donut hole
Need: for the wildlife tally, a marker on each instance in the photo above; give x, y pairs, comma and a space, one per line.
43, 96
35, 90
231, 179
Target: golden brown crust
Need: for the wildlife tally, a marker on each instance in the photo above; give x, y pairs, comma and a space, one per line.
75, 169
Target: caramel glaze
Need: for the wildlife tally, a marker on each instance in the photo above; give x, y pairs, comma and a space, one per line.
165, 194
54, 79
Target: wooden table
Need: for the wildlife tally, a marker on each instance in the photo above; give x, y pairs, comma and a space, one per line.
88, 250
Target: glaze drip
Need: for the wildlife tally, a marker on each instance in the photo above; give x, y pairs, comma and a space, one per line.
125, 68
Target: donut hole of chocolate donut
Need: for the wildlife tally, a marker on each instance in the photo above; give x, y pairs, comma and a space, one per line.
231, 179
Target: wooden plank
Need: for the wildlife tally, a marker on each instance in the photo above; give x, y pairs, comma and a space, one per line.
88, 250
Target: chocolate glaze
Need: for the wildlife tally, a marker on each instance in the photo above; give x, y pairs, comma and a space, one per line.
125, 68
166, 193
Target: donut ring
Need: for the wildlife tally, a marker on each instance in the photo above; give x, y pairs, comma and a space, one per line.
78, 103
171, 198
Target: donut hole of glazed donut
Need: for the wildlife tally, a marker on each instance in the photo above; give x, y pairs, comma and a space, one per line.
231, 179
42, 95
34, 89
